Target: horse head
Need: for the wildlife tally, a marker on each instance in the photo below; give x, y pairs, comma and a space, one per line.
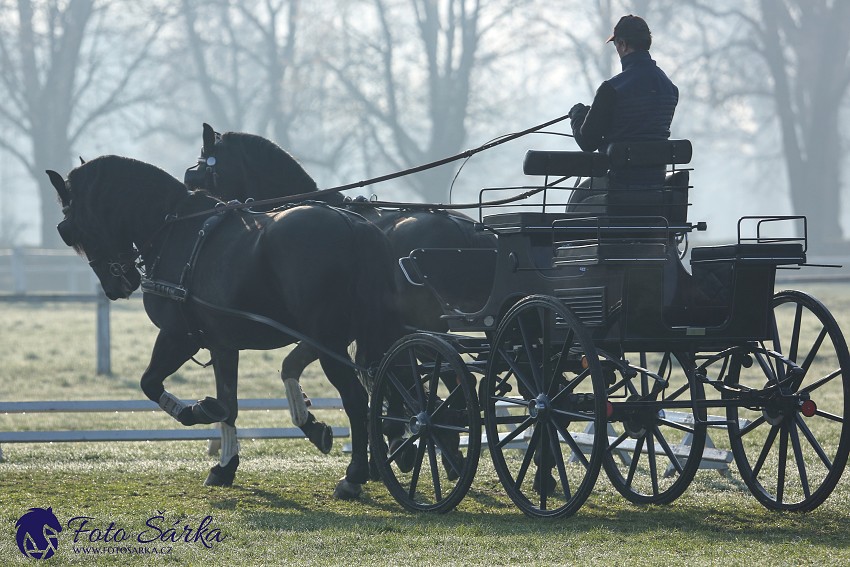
112, 258
237, 165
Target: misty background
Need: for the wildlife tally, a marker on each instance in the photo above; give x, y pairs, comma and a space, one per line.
358, 88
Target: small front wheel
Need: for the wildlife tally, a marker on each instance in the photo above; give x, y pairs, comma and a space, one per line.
425, 425
542, 389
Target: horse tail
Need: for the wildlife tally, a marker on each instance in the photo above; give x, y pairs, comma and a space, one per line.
377, 319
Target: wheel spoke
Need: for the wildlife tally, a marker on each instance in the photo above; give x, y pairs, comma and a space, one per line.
635, 458
674, 460
401, 448
795, 333
653, 465
521, 378
783, 462
559, 462
673, 425
433, 383
801, 463
765, 450
414, 371
526, 459
810, 358
574, 415
526, 345
813, 442
404, 392
752, 426
568, 439
417, 468
435, 471
825, 380
515, 433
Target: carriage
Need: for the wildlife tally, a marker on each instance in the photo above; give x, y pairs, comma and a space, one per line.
577, 340
584, 342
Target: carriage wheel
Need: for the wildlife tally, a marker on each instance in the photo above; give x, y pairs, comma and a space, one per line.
425, 425
543, 387
791, 447
655, 445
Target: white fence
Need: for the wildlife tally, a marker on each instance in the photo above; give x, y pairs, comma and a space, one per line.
37, 275
185, 434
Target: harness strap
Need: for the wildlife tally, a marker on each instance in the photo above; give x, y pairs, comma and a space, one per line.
279, 327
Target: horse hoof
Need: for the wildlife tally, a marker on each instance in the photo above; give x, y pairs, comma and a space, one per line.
548, 484
223, 476
451, 474
209, 410
406, 459
347, 490
323, 437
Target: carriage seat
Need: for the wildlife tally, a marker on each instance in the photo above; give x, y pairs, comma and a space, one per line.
776, 253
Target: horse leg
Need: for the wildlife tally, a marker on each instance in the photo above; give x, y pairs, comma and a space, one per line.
226, 366
170, 352
355, 402
319, 433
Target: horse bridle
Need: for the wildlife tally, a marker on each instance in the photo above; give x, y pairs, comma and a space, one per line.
126, 261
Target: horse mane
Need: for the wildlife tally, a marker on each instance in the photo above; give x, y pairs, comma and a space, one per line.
103, 184
278, 170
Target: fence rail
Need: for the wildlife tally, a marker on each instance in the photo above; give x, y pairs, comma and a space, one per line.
184, 434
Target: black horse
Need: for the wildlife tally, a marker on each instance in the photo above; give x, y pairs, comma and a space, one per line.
241, 166
313, 269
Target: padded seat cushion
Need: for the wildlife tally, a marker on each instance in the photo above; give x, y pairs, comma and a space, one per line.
768, 253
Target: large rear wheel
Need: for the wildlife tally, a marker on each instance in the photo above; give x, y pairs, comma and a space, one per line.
789, 431
656, 437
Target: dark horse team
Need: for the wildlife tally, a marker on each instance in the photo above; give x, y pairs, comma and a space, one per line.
316, 272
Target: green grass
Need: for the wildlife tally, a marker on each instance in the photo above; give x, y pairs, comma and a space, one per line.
280, 511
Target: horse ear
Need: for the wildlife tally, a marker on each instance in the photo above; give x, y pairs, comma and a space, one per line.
209, 137
59, 184
82, 161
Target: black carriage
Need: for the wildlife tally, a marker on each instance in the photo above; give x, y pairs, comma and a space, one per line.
586, 344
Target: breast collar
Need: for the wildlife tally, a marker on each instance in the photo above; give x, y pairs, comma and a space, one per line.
180, 291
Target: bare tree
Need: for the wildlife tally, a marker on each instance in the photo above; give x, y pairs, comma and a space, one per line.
411, 65
804, 74
62, 76
252, 61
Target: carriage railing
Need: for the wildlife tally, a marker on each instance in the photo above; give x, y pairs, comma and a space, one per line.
760, 224
594, 239
544, 204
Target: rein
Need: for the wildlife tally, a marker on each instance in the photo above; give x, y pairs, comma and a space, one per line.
463, 155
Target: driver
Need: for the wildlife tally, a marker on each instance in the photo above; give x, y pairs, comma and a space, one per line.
636, 105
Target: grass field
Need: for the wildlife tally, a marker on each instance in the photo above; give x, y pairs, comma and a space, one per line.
280, 512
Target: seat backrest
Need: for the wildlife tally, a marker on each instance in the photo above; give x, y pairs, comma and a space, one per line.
640, 154
565, 164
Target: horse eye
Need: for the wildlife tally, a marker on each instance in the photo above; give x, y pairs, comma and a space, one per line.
211, 160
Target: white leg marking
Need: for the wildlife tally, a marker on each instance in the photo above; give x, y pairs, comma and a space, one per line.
171, 404
229, 444
297, 405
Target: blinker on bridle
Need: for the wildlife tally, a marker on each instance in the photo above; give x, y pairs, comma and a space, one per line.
203, 173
